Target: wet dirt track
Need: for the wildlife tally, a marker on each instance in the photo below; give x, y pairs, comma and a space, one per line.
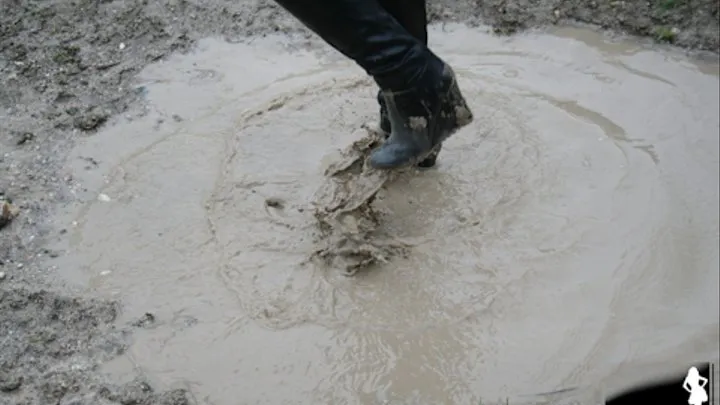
555, 245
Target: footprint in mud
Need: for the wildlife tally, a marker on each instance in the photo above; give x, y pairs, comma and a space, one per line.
275, 209
203, 76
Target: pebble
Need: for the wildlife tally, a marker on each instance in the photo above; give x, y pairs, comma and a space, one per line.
122, 46
103, 198
2, 275
144, 321
9, 383
24, 138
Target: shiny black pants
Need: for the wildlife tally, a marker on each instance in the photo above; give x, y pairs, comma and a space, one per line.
387, 38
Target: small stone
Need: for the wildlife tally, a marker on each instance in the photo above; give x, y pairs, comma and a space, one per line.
144, 321
103, 198
122, 46
9, 383
91, 120
275, 202
8, 212
105, 272
24, 138
2, 275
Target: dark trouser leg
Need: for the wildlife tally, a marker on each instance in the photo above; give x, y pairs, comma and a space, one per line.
411, 14
423, 102
365, 32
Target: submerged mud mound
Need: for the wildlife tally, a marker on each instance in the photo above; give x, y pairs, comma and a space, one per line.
350, 225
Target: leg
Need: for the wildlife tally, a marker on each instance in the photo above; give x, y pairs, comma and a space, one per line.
412, 15
423, 101
365, 32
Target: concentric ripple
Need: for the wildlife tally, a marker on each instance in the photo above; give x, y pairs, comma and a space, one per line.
506, 197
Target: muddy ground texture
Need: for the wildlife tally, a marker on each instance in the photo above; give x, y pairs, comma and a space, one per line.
67, 69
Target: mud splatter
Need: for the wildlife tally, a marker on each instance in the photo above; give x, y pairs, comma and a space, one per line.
352, 237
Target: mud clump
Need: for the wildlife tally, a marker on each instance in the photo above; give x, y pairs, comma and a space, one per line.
91, 120
351, 235
8, 212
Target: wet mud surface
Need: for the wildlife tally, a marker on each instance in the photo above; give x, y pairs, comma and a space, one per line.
499, 237
69, 70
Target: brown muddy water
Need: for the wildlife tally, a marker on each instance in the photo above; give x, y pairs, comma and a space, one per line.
567, 240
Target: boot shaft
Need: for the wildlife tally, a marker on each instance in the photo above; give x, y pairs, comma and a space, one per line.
411, 14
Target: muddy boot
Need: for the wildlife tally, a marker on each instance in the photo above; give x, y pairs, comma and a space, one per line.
417, 86
421, 118
412, 15
385, 127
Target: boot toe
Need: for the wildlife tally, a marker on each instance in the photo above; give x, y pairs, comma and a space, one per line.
390, 156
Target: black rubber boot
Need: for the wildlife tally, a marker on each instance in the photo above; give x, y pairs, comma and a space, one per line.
386, 128
421, 118
412, 15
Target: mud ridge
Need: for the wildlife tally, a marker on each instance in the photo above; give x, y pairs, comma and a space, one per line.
350, 225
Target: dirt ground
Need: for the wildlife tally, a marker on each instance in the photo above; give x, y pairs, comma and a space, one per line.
67, 69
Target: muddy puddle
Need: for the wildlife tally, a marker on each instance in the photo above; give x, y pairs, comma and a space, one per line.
567, 239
